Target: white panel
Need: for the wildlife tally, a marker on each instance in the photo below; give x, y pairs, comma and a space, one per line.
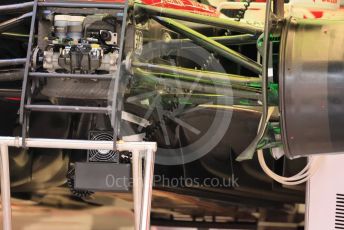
322, 190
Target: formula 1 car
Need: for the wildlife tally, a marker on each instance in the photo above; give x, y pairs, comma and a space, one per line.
210, 90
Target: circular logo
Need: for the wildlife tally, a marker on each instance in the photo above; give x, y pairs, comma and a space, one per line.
184, 93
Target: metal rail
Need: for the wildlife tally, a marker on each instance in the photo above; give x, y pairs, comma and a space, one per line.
73, 76
68, 109
118, 82
22, 119
142, 190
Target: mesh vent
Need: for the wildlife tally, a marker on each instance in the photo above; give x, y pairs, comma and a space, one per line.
339, 217
102, 155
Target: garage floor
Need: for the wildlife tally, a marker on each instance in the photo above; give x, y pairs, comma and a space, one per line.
28, 215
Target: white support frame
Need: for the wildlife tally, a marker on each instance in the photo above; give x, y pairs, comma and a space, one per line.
142, 188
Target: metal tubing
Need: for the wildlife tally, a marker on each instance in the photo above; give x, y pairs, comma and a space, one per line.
27, 68
82, 5
10, 93
117, 91
5, 189
68, 109
197, 18
242, 225
241, 39
199, 87
13, 22
14, 8
212, 77
210, 44
16, 36
137, 187
23, 117
248, 153
140, 181
278, 8
12, 75
77, 144
74, 76
12, 62
147, 191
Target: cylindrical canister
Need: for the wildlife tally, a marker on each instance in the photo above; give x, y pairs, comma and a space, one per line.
61, 25
312, 86
75, 27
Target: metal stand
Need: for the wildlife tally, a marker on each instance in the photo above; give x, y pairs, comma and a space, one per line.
142, 194
142, 189
5, 189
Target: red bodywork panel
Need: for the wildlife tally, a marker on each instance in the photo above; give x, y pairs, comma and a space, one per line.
185, 5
